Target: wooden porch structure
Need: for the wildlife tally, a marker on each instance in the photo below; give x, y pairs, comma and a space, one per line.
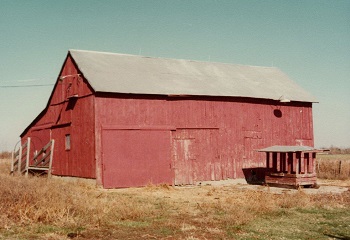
40, 164
292, 166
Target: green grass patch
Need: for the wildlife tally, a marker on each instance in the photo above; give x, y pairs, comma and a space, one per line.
298, 224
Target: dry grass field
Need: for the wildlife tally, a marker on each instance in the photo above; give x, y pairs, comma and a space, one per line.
40, 208
333, 166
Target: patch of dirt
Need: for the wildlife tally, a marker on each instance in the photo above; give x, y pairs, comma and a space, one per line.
329, 182
325, 186
209, 188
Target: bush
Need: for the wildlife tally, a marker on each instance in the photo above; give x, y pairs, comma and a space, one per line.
337, 150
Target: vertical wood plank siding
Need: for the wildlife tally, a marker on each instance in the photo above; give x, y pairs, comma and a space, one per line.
227, 130
66, 115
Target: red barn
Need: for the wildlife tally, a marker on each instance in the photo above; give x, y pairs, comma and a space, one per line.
128, 120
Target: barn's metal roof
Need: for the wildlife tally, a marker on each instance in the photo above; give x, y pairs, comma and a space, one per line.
289, 149
122, 73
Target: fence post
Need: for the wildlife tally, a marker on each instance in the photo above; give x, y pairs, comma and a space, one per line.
51, 157
27, 157
12, 162
20, 159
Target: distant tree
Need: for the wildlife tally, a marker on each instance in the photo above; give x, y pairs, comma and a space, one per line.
337, 150
346, 151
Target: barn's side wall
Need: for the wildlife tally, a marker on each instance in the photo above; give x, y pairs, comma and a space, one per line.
70, 111
224, 131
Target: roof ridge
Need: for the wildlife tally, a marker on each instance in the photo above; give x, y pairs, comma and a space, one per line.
171, 59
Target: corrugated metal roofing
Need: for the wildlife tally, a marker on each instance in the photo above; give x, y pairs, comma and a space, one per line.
288, 149
122, 73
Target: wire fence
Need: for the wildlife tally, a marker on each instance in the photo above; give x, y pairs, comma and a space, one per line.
333, 168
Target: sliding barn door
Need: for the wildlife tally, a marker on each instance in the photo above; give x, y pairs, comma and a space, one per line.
136, 157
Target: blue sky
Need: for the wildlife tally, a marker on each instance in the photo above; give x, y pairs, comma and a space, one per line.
308, 40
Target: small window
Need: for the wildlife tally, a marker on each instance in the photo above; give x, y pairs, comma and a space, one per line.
67, 142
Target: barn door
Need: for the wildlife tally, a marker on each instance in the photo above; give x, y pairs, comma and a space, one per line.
184, 157
136, 157
196, 155
63, 165
251, 157
253, 165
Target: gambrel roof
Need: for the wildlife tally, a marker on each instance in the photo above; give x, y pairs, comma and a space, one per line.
122, 73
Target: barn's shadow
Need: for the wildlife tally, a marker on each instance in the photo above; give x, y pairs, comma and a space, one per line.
254, 176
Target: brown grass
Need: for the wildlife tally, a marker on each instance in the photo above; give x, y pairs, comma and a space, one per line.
40, 208
26, 201
333, 166
5, 155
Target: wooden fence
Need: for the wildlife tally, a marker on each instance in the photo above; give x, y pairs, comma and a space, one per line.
20, 158
41, 163
42, 160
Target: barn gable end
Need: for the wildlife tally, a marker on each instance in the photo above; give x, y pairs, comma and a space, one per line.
68, 116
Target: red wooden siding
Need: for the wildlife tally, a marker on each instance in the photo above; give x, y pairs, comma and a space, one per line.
70, 111
213, 138
196, 156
